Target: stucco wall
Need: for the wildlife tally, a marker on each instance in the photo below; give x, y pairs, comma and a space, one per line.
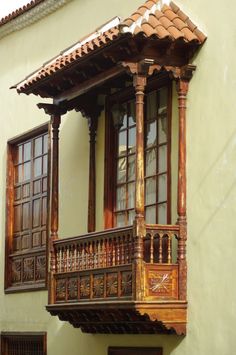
211, 173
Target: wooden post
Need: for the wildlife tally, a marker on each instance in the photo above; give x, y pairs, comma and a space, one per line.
140, 82
55, 112
92, 121
91, 109
182, 89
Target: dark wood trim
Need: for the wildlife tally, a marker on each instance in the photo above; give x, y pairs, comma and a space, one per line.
89, 84
93, 122
29, 134
109, 168
8, 288
6, 337
134, 351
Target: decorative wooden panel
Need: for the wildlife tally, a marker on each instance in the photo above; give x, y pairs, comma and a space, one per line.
27, 210
162, 281
23, 343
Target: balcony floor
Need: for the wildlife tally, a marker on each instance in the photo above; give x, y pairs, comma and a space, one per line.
124, 317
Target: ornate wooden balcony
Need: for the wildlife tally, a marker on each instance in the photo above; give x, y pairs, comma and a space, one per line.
99, 283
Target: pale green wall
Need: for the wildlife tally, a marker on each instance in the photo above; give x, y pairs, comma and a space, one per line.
211, 187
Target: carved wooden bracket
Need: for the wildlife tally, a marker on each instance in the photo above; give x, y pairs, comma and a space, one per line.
53, 110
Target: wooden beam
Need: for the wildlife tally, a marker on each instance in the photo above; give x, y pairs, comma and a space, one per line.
89, 84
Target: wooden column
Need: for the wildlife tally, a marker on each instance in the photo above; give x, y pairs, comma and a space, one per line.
140, 82
55, 112
93, 121
89, 108
182, 90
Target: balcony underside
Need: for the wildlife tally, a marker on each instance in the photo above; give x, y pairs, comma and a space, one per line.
124, 317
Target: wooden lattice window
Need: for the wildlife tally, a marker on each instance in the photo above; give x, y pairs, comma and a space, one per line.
23, 343
134, 351
27, 212
120, 161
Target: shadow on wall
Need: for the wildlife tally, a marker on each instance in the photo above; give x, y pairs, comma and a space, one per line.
68, 340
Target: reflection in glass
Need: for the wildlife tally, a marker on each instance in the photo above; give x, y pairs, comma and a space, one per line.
131, 113
163, 94
37, 167
131, 167
38, 147
19, 154
45, 164
151, 215
150, 191
120, 219
120, 198
131, 217
151, 105
162, 129
162, 156
18, 173
26, 168
162, 213
122, 143
131, 195
132, 140
45, 143
162, 188
27, 151
151, 135
151, 162
121, 170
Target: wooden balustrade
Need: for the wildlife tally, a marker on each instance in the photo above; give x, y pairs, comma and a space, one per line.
158, 243
94, 250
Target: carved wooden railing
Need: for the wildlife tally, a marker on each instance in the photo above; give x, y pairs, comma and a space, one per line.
100, 265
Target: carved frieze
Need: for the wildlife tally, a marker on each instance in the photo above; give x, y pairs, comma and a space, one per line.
72, 289
28, 269
61, 290
98, 286
84, 287
112, 284
126, 283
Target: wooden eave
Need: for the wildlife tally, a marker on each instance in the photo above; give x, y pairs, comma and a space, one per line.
164, 52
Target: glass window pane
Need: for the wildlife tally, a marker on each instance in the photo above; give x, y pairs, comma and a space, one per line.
162, 129
162, 188
38, 148
121, 170
18, 173
120, 219
121, 198
151, 215
122, 142
131, 167
162, 159
150, 162
131, 216
26, 216
19, 154
151, 105
163, 95
27, 151
132, 140
38, 167
131, 195
150, 192
162, 213
132, 118
151, 134
45, 143
45, 164
26, 169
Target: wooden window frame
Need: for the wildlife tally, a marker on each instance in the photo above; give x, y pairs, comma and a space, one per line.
6, 337
133, 351
111, 143
8, 287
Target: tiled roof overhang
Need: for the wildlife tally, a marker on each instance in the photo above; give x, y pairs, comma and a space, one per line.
156, 29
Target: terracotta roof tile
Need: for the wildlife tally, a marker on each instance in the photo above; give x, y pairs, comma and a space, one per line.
20, 11
161, 22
